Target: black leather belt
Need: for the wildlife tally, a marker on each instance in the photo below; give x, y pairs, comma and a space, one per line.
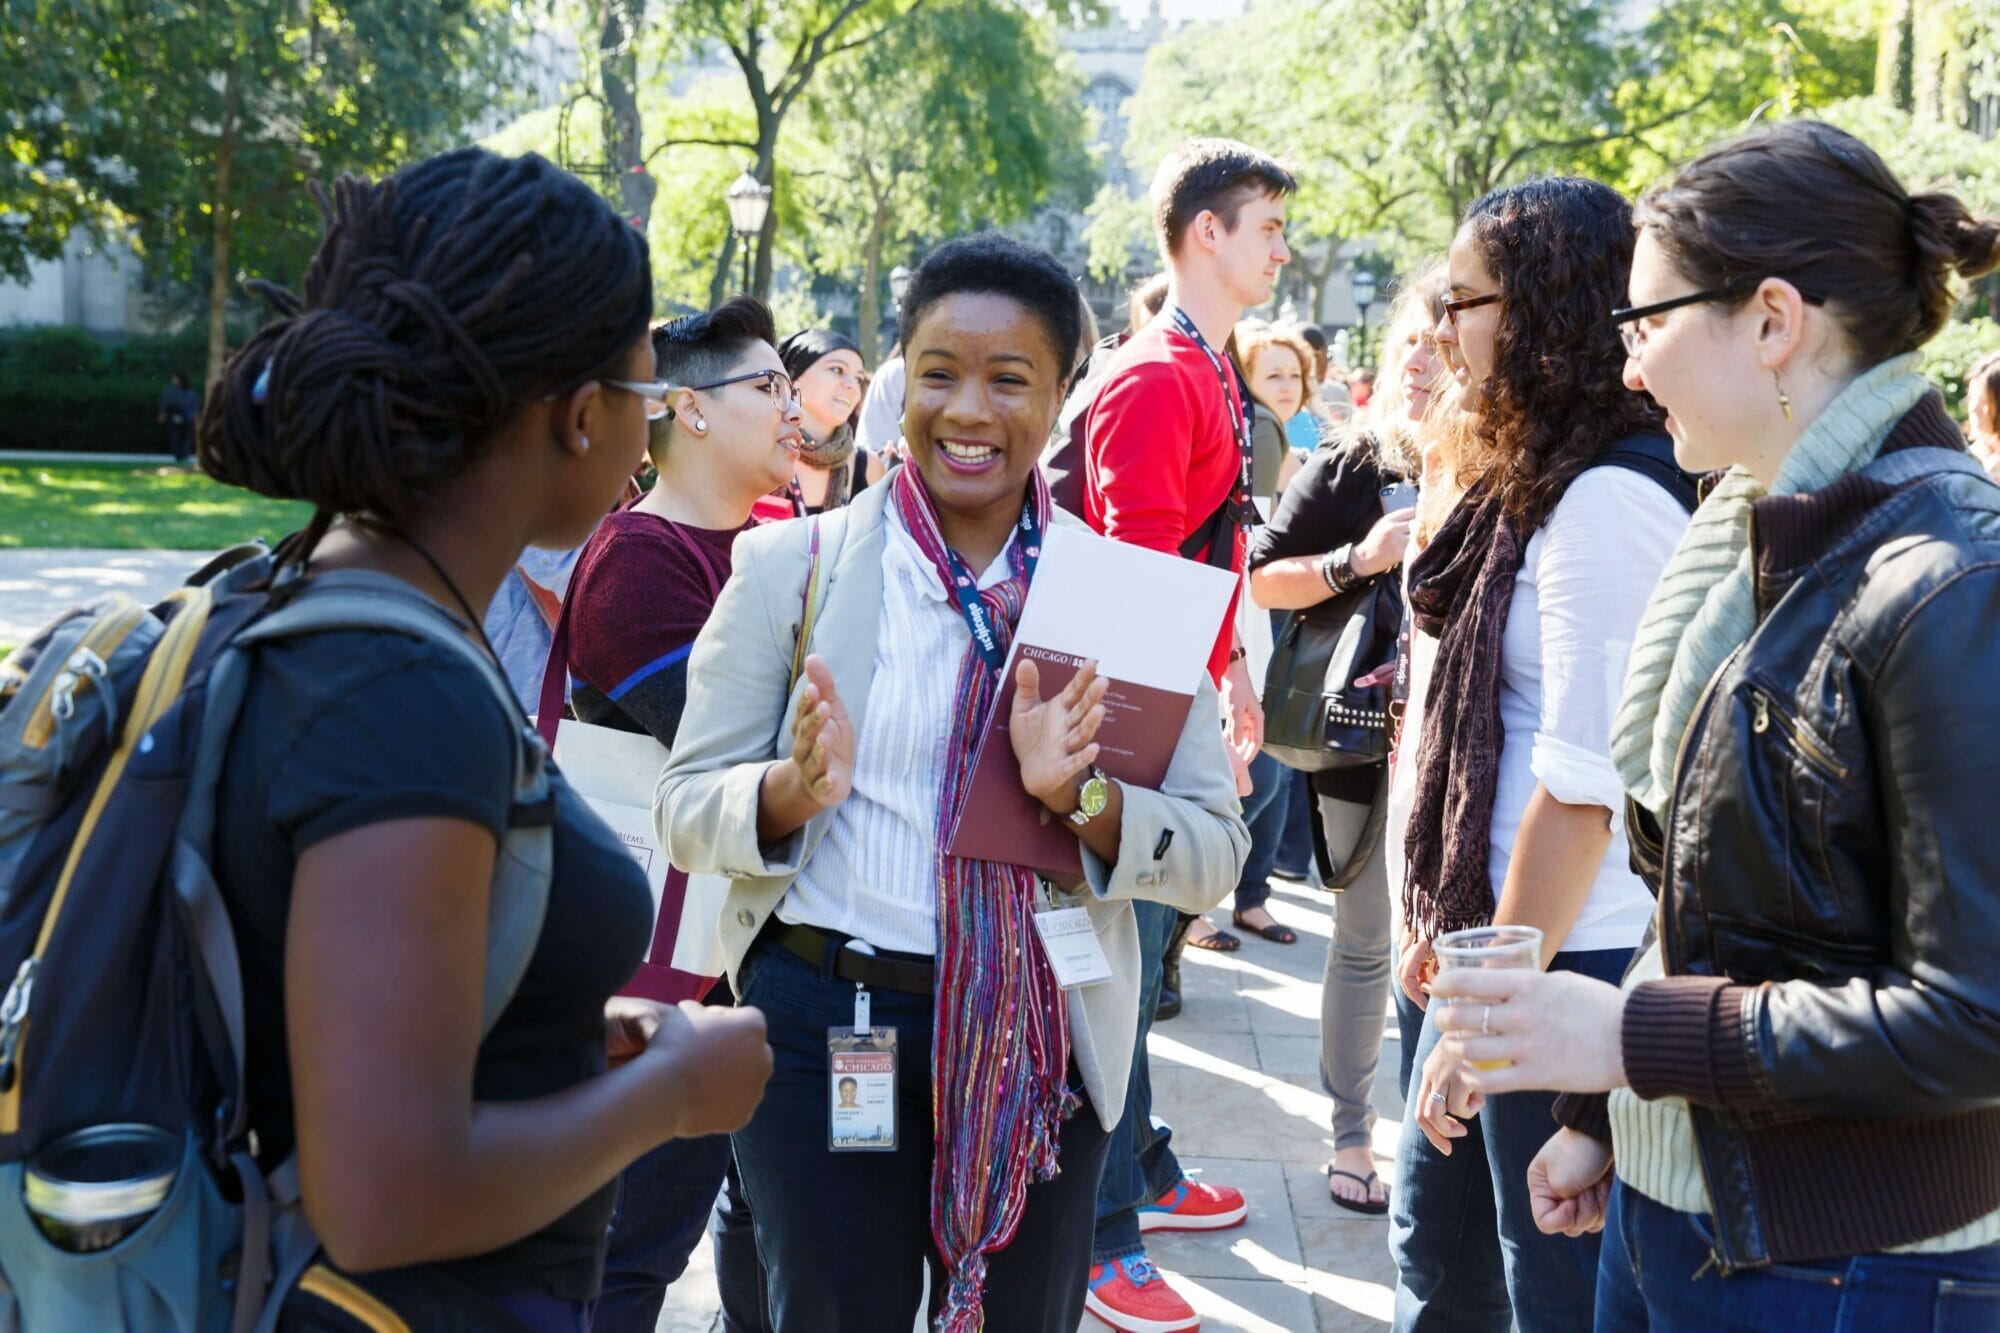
899, 972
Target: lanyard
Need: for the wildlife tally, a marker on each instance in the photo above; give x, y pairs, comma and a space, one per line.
1022, 556
1236, 404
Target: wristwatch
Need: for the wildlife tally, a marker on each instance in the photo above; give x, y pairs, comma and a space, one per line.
1091, 798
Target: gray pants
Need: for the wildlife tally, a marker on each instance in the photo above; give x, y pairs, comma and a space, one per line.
1355, 998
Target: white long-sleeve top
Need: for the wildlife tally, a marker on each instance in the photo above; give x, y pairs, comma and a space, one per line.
1583, 583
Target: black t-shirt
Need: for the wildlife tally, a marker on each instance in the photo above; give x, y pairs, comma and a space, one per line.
343, 730
1335, 499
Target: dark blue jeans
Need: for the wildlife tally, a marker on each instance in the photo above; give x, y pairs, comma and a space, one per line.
1468, 1254
1647, 1283
1265, 810
1140, 1165
1295, 846
846, 1237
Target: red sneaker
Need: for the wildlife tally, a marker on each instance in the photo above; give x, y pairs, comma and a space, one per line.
1130, 1295
1192, 1206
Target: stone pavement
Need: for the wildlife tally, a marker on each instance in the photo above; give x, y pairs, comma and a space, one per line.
38, 585
1237, 1075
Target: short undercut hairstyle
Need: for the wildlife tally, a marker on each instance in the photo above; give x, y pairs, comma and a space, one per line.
1216, 176
700, 349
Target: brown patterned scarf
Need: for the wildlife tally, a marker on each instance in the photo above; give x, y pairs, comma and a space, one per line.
1461, 587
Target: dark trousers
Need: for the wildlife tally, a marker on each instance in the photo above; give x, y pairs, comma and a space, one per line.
846, 1237
1265, 811
1655, 1276
1468, 1254
1140, 1165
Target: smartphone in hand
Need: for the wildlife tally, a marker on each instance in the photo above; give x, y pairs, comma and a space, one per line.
1402, 495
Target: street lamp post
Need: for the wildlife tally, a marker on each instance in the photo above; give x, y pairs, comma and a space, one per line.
1364, 296
749, 203
899, 286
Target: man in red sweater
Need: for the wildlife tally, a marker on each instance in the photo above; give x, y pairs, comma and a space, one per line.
1168, 467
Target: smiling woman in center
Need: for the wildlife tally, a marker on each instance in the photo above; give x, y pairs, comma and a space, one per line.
828, 800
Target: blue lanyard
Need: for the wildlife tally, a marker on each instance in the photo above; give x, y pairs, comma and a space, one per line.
1238, 408
1022, 556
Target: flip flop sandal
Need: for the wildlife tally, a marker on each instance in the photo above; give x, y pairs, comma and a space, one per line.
1366, 1182
1220, 942
1274, 932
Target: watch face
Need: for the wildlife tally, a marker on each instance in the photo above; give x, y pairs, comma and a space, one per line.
1096, 794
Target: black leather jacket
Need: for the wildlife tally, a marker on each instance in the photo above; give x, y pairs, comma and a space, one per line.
1833, 850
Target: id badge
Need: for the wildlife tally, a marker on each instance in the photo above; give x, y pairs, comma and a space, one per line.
1069, 941
861, 1085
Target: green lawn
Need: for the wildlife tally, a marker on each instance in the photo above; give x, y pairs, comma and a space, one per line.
127, 506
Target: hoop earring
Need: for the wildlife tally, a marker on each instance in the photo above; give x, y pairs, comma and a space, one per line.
1784, 399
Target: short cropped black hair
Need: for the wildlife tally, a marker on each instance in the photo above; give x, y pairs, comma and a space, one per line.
1315, 337
996, 263
1212, 175
700, 349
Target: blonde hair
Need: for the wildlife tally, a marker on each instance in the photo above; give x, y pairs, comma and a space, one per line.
1255, 335
1442, 450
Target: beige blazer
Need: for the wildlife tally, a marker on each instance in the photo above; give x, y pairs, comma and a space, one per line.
705, 806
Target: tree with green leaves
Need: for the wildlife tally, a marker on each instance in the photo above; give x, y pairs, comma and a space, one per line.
202, 123
966, 115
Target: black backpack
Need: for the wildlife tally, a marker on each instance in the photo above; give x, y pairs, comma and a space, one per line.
122, 1029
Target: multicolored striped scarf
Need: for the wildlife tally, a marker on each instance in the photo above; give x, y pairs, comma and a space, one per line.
1000, 1047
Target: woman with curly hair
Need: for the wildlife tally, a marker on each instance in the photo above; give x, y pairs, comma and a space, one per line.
1532, 587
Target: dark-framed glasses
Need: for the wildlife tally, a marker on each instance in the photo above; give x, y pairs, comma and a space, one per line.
1633, 334
776, 383
1452, 308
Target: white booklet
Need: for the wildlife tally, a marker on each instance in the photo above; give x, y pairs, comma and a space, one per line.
1150, 621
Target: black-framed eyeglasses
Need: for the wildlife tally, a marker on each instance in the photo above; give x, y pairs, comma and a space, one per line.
1451, 308
776, 383
1633, 334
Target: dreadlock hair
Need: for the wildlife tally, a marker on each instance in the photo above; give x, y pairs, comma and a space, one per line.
703, 348
439, 301
1560, 249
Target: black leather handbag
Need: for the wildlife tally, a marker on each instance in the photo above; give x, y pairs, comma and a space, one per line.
1315, 718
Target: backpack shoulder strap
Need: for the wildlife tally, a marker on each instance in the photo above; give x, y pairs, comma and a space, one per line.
1652, 456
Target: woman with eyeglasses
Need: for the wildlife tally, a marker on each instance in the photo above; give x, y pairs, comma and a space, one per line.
1532, 589
723, 430
828, 370
1803, 1067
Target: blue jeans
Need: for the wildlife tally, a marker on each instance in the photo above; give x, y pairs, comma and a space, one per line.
1295, 846
1265, 810
1140, 1165
1468, 1254
1653, 1277
846, 1237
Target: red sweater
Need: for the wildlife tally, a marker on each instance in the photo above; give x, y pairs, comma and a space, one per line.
1162, 454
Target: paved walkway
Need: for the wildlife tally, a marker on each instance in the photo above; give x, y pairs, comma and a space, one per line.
1237, 1075
38, 585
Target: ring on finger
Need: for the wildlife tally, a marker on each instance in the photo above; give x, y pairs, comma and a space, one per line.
1437, 1097
1486, 1022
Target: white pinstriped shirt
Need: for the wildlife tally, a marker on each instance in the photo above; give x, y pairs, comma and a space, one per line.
873, 875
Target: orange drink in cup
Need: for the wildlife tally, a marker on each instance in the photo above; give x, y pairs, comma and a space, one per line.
1490, 946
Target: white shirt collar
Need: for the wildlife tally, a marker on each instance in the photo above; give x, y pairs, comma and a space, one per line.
912, 558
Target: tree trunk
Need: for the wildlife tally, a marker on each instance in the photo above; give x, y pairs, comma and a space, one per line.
624, 149
871, 279
767, 152
718, 286
223, 229
1893, 66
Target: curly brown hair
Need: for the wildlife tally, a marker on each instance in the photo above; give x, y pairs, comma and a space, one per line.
1560, 249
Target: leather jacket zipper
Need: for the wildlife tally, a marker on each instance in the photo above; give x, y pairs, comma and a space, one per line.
1810, 748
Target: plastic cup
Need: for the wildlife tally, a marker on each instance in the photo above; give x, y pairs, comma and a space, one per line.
1490, 946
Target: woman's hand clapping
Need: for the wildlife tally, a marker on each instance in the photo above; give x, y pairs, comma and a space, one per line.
1055, 740
822, 739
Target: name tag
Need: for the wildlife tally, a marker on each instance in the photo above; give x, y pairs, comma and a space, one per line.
861, 1084
1069, 941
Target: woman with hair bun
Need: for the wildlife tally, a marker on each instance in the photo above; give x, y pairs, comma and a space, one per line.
466, 374
1803, 1065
